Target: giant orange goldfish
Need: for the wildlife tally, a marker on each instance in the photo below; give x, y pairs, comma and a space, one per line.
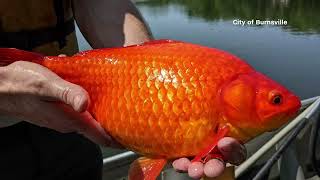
168, 99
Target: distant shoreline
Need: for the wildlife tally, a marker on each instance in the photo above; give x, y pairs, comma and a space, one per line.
137, 1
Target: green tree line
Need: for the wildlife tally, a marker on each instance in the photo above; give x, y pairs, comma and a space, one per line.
302, 15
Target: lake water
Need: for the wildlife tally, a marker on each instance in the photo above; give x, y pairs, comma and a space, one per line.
289, 54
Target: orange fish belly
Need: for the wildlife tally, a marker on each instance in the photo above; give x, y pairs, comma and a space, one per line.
156, 99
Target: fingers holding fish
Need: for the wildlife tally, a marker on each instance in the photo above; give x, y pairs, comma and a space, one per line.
35, 94
214, 168
62, 55
64, 119
70, 94
195, 170
30, 79
33, 79
37, 80
59, 117
181, 165
92, 129
232, 151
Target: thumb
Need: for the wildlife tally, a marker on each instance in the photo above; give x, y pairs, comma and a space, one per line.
232, 150
69, 93
92, 129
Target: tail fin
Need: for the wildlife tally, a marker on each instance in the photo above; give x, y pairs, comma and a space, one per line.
11, 55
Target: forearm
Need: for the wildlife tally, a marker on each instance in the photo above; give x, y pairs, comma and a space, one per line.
109, 23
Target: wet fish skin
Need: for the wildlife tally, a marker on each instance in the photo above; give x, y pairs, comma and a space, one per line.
169, 98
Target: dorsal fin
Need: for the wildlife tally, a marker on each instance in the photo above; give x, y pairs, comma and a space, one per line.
155, 42
152, 42
160, 41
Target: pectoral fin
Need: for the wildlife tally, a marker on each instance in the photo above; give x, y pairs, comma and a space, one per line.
146, 169
211, 150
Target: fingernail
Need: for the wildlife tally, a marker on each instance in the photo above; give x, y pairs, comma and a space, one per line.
195, 170
214, 168
181, 164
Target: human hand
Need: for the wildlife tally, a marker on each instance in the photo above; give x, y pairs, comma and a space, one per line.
33, 93
232, 151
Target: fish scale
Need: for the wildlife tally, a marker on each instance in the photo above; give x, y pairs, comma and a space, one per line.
167, 99
152, 87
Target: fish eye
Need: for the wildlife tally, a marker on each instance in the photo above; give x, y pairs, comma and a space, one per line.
275, 98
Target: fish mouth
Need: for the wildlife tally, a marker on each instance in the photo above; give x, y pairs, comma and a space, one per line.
274, 121
296, 105
293, 108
